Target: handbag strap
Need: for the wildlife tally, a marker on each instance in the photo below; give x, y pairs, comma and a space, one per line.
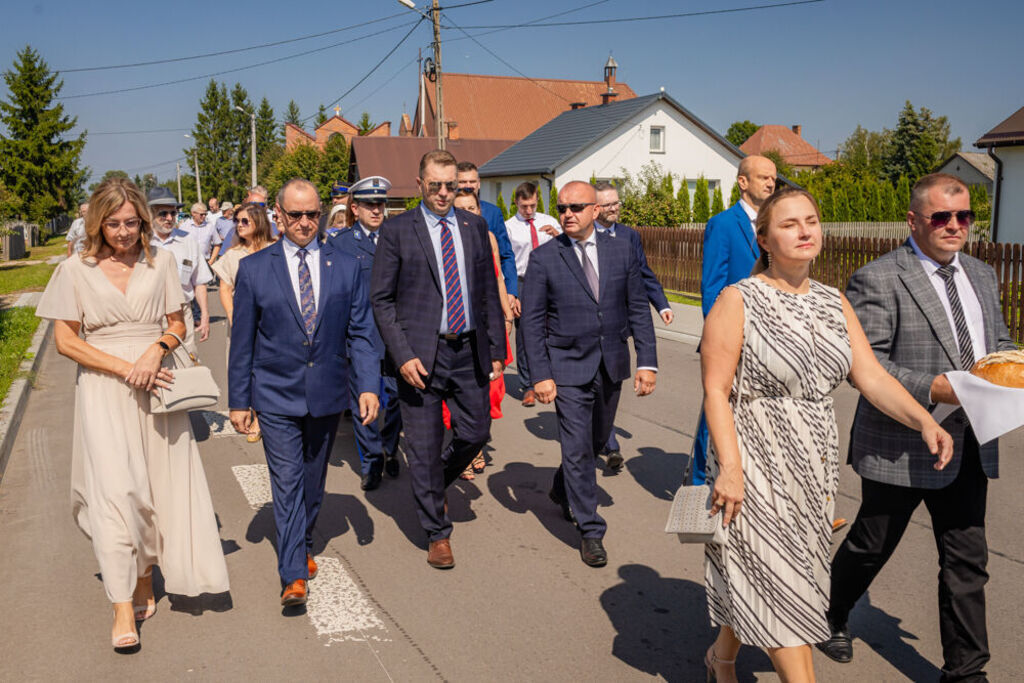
181, 347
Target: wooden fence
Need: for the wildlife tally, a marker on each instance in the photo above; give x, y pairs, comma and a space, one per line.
675, 255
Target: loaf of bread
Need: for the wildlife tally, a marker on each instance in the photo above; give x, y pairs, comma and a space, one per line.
1005, 368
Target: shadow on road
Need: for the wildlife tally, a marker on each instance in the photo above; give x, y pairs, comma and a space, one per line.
338, 513
882, 633
543, 425
658, 472
195, 605
662, 626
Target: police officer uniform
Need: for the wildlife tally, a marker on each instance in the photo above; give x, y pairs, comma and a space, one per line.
338, 189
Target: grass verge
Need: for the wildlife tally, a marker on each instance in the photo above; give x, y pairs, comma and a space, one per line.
56, 245
14, 278
678, 298
17, 325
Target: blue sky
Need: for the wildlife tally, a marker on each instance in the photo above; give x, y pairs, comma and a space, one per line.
827, 66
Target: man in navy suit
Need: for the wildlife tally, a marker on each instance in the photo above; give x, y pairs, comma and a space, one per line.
435, 299
608, 207
377, 445
298, 303
469, 183
730, 250
583, 296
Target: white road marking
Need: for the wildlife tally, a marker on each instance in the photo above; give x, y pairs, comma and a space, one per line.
219, 423
255, 483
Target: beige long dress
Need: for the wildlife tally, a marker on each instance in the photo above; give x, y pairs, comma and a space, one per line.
138, 489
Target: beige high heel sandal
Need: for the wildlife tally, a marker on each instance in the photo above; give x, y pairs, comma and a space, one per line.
710, 659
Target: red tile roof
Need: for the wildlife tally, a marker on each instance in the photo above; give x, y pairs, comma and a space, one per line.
509, 107
794, 149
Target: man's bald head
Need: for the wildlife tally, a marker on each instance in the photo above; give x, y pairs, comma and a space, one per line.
756, 178
577, 209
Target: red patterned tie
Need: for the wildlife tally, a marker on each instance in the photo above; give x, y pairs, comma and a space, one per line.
534, 238
452, 282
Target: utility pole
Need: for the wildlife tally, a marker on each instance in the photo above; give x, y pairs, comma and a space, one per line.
178, 166
438, 90
252, 139
199, 191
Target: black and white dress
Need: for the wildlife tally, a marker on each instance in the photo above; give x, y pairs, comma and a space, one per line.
770, 581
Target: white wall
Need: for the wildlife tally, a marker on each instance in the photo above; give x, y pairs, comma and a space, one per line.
1011, 195
489, 188
967, 173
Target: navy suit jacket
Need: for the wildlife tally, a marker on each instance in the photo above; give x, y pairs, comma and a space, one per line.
354, 242
567, 332
730, 251
655, 292
406, 290
507, 258
274, 366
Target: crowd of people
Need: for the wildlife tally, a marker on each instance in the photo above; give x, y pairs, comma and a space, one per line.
407, 322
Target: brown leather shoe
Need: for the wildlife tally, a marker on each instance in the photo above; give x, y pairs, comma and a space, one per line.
294, 594
440, 554
530, 398
311, 567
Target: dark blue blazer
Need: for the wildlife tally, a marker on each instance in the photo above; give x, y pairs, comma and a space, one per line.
730, 251
507, 258
407, 296
655, 292
567, 332
354, 242
274, 366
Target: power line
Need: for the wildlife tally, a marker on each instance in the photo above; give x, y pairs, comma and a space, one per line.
145, 168
241, 68
391, 78
538, 20
139, 132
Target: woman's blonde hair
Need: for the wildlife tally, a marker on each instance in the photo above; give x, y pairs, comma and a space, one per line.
108, 198
262, 235
764, 217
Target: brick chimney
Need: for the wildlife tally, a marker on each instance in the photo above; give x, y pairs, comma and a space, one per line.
610, 67
797, 128
577, 105
453, 130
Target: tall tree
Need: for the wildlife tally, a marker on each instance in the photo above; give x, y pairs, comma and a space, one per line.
238, 147
365, 125
553, 198
865, 150
336, 156
683, 201
292, 115
112, 173
40, 166
266, 128
321, 116
902, 196
919, 143
209, 135
145, 182
701, 201
740, 131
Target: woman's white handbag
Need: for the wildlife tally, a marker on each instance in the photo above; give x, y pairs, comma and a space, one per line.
193, 386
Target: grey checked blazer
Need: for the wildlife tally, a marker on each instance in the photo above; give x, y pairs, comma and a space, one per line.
913, 339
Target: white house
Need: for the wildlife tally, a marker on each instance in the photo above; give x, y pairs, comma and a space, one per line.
974, 168
1005, 144
602, 141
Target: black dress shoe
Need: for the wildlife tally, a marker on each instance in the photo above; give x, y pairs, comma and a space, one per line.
593, 553
561, 501
839, 647
615, 460
391, 466
370, 481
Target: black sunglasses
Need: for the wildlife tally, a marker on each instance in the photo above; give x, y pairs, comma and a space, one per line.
167, 212
466, 190
940, 219
576, 208
297, 215
243, 221
433, 187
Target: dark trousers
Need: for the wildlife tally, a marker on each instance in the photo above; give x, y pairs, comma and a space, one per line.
379, 439
958, 521
522, 365
700, 451
612, 444
456, 381
297, 450
585, 417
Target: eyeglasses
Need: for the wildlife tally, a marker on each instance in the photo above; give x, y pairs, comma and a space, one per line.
941, 219
433, 187
261, 204
131, 224
196, 213
611, 205
243, 221
298, 215
167, 212
466, 190
575, 208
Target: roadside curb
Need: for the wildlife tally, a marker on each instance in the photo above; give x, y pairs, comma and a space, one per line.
17, 396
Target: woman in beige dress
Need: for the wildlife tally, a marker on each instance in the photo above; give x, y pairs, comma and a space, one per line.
252, 233
138, 489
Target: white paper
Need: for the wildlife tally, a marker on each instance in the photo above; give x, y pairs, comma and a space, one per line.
991, 409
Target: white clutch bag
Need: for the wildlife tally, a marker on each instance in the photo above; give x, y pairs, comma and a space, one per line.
689, 519
193, 386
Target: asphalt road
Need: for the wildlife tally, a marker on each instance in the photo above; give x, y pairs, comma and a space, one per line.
519, 605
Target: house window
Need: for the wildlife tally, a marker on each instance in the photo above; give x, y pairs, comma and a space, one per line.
657, 139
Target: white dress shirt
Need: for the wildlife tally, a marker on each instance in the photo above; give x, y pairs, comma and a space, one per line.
434, 228
968, 299
751, 214
204, 233
192, 267
519, 235
291, 255
76, 234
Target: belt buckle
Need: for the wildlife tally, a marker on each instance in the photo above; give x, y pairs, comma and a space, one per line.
448, 336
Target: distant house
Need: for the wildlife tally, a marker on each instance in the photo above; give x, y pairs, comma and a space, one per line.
1005, 143
398, 160
507, 107
602, 141
974, 168
295, 135
788, 142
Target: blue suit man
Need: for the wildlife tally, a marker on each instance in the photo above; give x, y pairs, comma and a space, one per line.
608, 205
730, 250
377, 444
298, 304
435, 299
582, 299
469, 182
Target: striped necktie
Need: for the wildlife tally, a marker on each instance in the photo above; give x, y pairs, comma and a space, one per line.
963, 335
589, 271
452, 282
306, 294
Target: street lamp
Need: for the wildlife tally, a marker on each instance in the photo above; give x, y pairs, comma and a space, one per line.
252, 152
438, 91
195, 161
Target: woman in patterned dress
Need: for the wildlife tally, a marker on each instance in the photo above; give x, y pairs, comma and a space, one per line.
775, 345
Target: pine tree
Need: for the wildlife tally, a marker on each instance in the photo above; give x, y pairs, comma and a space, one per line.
875, 211
292, 115
365, 125
553, 198
512, 208
683, 201
717, 205
321, 116
902, 196
237, 148
701, 201
40, 168
855, 197
841, 206
266, 129
890, 207
540, 202
501, 205
210, 136
734, 196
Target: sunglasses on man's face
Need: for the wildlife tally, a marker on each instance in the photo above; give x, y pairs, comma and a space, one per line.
575, 208
466, 190
297, 215
433, 187
941, 219
167, 213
